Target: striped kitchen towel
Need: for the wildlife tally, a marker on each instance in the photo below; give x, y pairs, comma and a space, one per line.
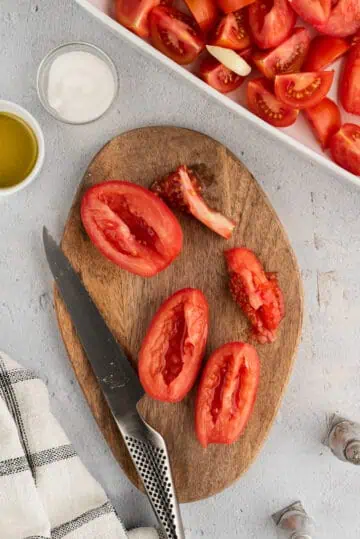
45, 490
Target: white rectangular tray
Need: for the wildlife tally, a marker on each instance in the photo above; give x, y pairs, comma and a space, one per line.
298, 136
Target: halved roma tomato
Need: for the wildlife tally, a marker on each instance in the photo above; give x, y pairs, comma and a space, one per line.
228, 6
182, 190
174, 345
227, 393
303, 90
231, 32
345, 148
325, 120
344, 19
312, 11
131, 226
271, 22
324, 50
134, 15
286, 58
263, 103
350, 82
219, 77
175, 34
205, 13
256, 292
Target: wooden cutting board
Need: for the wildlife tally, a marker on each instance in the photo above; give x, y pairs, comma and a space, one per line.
128, 302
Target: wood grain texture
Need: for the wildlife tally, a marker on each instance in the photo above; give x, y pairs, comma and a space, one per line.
128, 302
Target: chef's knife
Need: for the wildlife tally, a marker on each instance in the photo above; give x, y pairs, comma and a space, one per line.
122, 390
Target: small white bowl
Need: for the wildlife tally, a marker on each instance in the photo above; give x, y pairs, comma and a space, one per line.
13, 108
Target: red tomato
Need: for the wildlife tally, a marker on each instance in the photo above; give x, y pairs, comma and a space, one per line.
182, 190
286, 58
227, 393
175, 34
228, 6
350, 82
263, 103
271, 21
134, 15
312, 11
205, 13
231, 32
303, 90
219, 77
355, 39
324, 50
174, 345
325, 120
131, 227
344, 19
345, 148
258, 293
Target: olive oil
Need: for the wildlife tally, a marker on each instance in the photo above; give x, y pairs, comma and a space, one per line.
18, 150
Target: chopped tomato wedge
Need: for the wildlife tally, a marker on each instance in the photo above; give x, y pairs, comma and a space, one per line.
134, 15
174, 346
182, 190
263, 103
355, 39
350, 82
257, 293
205, 13
175, 34
344, 19
286, 58
303, 90
131, 227
324, 50
228, 6
219, 77
345, 148
231, 32
312, 11
227, 393
325, 120
271, 22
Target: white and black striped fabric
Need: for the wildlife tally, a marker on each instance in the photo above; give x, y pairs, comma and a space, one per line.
45, 491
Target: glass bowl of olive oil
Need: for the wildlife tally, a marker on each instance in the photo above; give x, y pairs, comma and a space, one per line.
22, 148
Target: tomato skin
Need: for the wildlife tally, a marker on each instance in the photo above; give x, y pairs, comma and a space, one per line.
314, 11
231, 32
303, 90
325, 120
345, 148
226, 394
205, 13
344, 19
173, 348
350, 82
257, 293
219, 77
263, 103
228, 6
271, 22
131, 227
324, 50
175, 34
288, 57
134, 15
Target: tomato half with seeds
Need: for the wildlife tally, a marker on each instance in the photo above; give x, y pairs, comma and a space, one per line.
325, 120
219, 77
175, 34
312, 11
271, 22
263, 103
134, 15
226, 393
286, 58
303, 90
205, 13
256, 292
231, 32
345, 148
324, 50
344, 19
131, 227
174, 346
228, 6
350, 82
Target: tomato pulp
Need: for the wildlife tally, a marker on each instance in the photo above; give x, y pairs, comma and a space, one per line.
219, 77
312, 11
303, 90
263, 103
271, 22
324, 50
345, 148
231, 32
205, 13
344, 19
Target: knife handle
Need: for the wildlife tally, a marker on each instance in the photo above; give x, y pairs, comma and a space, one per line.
149, 454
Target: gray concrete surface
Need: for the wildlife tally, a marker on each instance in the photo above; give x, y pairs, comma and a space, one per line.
320, 214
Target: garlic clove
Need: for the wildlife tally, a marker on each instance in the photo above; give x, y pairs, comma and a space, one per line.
230, 59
